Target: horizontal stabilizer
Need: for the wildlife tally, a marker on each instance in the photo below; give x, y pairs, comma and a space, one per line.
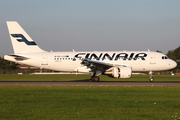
19, 58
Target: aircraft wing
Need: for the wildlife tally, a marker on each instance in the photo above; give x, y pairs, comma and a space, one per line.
96, 65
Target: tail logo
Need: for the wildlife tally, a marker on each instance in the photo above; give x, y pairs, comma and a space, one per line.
23, 39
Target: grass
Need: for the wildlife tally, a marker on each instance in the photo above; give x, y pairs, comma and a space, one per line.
79, 103
98, 103
84, 77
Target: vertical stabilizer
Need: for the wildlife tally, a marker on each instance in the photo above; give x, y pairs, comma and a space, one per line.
21, 41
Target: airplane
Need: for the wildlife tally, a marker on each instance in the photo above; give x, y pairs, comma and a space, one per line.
116, 64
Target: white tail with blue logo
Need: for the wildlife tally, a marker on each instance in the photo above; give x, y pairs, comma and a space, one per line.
21, 41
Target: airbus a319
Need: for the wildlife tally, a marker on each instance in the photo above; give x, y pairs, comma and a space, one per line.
117, 64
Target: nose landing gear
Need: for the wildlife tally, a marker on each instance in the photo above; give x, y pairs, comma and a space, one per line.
151, 79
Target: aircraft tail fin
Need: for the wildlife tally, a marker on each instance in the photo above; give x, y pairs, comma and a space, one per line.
21, 41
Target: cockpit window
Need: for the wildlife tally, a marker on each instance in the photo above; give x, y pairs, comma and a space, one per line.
165, 57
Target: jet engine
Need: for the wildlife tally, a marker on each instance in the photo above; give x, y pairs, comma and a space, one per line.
121, 72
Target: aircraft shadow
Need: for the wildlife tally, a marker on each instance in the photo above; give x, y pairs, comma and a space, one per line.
87, 80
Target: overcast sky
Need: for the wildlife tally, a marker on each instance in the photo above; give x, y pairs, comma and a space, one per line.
88, 25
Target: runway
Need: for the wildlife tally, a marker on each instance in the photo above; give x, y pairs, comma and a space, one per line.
64, 83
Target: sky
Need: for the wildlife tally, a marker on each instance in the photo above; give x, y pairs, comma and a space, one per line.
94, 25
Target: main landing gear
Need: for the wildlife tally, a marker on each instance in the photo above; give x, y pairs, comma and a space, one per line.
151, 79
95, 77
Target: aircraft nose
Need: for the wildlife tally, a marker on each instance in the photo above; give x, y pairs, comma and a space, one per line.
173, 64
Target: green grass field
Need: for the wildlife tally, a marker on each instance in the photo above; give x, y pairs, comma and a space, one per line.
80, 103
99, 103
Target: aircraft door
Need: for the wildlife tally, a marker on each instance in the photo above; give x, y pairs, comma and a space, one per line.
44, 60
152, 59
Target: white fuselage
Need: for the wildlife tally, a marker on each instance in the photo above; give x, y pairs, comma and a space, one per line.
71, 61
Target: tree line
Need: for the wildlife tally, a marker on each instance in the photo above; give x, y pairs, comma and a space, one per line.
4, 64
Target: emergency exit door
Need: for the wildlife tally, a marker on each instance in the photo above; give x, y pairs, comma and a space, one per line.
44, 60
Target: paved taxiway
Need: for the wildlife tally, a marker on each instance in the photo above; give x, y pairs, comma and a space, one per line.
60, 83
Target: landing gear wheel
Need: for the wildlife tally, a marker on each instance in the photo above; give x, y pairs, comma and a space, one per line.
95, 79
92, 78
151, 79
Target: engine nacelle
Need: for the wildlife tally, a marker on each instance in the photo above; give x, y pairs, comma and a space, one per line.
122, 72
